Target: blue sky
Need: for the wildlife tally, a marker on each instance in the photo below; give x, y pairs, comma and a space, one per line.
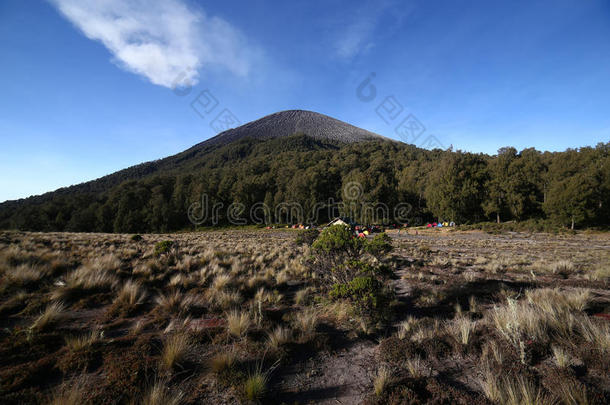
89, 88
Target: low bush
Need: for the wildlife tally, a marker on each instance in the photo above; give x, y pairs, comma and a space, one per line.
380, 245
338, 239
163, 247
307, 237
366, 292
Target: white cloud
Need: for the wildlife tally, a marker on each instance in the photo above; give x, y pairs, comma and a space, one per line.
359, 25
163, 40
355, 38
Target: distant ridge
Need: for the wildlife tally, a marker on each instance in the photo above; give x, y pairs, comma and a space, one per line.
290, 122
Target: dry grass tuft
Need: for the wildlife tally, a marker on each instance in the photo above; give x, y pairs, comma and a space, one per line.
221, 282
172, 302
238, 323
416, 367
306, 322
301, 297
222, 362
175, 349
71, 395
601, 273
131, 294
545, 314
572, 392
84, 341
382, 380
53, 313
462, 328
406, 327
512, 391
84, 279
279, 336
561, 357
159, 394
24, 274
255, 385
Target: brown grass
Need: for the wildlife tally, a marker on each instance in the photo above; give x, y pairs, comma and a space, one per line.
175, 349
52, 315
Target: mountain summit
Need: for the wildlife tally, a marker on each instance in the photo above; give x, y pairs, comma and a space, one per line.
290, 122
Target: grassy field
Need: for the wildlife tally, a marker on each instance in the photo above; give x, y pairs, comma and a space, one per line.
247, 316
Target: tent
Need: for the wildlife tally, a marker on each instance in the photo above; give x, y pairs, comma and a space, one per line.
338, 221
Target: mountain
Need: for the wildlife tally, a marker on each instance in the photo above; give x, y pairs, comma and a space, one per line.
326, 130
286, 123
305, 158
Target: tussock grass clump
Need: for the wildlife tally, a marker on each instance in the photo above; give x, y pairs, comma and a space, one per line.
175, 302
222, 362
255, 385
522, 391
545, 314
181, 280
70, 395
406, 327
221, 282
595, 333
462, 328
131, 294
491, 349
562, 267
601, 273
561, 357
238, 323
306, 322
159, 394
24, 274
472, 304
107, 263
571, 392
85, 279
53, 313
225, 300
301, 296
382, 380
76, 343
279, 336
175, 349
282, 277
416, 367
491, 386
512, 390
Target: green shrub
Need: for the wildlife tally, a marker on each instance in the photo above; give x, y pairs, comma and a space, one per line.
366, 292
307, 237
136, 238
380, 245
337, 239
352, 268
163, 247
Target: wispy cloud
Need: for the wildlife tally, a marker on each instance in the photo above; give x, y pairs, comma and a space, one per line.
358, 26
161, 40
356, 37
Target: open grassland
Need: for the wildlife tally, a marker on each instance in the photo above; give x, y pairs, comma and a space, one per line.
253, 316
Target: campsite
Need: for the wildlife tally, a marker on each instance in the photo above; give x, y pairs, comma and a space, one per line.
244, 315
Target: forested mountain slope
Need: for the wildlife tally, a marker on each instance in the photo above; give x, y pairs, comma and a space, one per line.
262, 163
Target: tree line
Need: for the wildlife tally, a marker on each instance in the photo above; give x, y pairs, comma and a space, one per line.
570, 188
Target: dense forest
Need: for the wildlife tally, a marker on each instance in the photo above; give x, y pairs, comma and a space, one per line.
570, 188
